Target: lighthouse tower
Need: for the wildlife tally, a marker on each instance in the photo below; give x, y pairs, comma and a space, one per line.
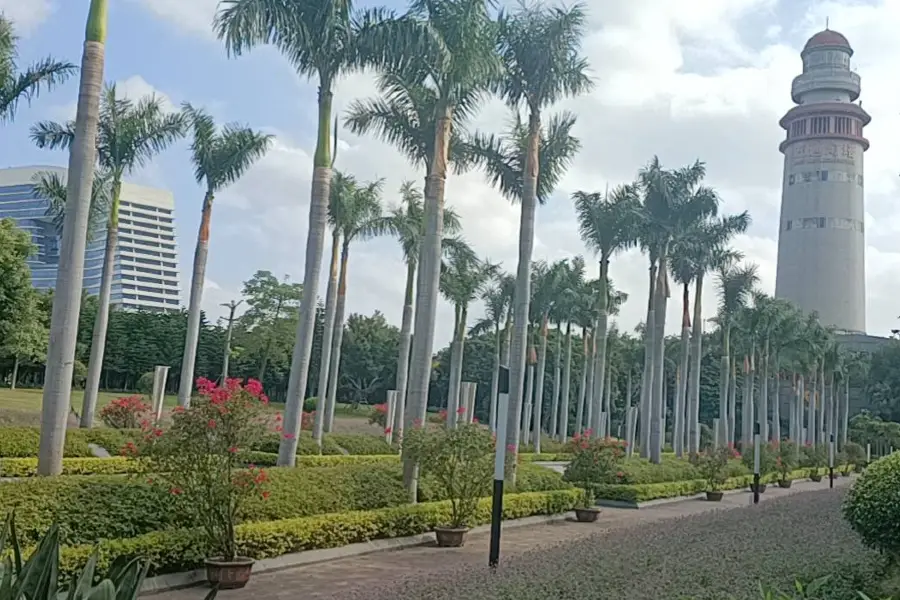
821, 234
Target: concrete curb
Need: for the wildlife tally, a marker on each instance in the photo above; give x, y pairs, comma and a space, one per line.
173, 581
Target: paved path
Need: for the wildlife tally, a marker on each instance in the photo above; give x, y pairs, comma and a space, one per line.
331, 579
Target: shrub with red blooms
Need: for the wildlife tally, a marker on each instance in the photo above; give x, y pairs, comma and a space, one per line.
307, 420
713, 465
125, 413
200, 457
595, 460
378, 415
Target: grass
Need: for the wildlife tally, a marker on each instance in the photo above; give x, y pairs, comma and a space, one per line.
22, 407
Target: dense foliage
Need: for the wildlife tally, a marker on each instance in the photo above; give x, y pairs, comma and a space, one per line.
873, 506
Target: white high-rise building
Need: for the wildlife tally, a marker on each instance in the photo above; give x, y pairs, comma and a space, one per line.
821, 234
145, 272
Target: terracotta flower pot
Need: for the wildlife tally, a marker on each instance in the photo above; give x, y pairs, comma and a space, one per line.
229, 574
450, 537
714, 496
817, 477
587, 515
762, 488
784, 483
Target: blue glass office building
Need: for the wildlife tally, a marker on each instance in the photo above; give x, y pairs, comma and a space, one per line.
145, 271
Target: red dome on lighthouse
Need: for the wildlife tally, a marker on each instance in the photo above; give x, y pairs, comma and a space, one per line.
827, 38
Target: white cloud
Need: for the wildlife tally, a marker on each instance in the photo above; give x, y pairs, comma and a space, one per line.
27, 15
689, 79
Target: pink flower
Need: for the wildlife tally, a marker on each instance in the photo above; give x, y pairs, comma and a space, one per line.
233, 450
289, 436
461, 410
510, 447
254, 388
211, 423
387, 430
175, 491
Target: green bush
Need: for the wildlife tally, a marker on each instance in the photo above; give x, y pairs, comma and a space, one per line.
672, 489
184, 549
27, 467
872, 507
93, 507
23, 442
362, 443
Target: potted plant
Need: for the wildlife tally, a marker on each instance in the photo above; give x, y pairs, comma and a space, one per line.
814, 459
460, 461
713, 466
595, 460
200, 459
785, 462
855, 456
767, 463
587, 512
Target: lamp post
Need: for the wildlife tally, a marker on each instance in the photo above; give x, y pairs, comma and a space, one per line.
756, 439
499, 467
831, 461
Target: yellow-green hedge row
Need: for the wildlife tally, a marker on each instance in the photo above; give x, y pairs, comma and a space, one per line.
184, 549
675, 489
119, 465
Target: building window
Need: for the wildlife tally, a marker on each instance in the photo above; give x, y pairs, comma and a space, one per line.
823, 175
791, 178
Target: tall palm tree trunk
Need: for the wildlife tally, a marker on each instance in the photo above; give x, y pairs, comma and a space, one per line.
563, 432
456, 365
495, 378
539, 392
723, 384
694, 372
811, 409
600, 372
529, 397
315, 248
429, 265
845, 413
582, 388
801, 392
607, 403
763, 415
657, 390
682, 375
776, 406
70, 275
557, 382
590, 364
820, 407
647, 374
732, 404
192, 334
337, 337
15, 373
523, 286
101, 322
327, 337
403, 354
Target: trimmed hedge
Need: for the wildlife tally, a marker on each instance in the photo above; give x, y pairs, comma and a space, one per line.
90, 508
305, 445
872, 508
673, 489
362, 443
24, 442
173, 551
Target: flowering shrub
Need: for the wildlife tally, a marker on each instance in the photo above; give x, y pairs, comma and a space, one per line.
199, 457
125, 413
307, 420
785, 459
853, 455
767, 459
713, 465
460, 461
813, 457
378, 415
595, 460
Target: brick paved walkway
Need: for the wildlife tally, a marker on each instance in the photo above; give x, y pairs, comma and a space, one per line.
331, 579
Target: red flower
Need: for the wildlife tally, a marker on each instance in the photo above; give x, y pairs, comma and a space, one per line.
157, 432
254, 388
474, 419
211, 424
278, 417
266, 495
178, 410
175, 491
289, 436
233, 450
461, 410
387, 430
510, 447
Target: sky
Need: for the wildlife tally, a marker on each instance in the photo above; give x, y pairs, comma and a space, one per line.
684, 80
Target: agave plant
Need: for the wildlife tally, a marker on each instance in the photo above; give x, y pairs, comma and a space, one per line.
38, 577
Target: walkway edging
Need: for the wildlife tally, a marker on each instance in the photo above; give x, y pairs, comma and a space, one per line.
174, 581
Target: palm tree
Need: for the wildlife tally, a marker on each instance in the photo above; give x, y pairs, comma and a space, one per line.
407, 222
463, 279
496, 307
26, 85
220, 157
52, 187
322, 42
571, 286
735, 285
673, 201
540, 48
70, 275
130, 135
710, 252
456, 68
356, 213
607, 224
